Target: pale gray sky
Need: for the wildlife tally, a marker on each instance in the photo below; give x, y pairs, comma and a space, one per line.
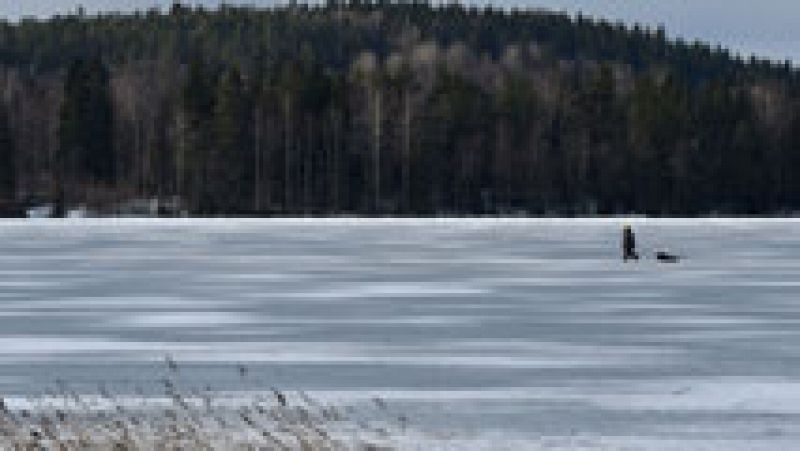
767, 27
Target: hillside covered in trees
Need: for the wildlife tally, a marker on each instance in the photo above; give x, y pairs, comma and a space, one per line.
391, 108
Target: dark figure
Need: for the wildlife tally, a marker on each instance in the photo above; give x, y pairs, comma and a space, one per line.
629, 244
666, 257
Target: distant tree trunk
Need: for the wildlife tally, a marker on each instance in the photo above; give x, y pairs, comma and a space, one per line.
257, 159
376, 143
336, 161
268, 160
307, 202
287, 154
406, 163
180, 160
8, 171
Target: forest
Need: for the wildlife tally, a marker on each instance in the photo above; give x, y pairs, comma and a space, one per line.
390, 108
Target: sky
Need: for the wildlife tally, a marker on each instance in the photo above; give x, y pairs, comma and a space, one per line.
767, 28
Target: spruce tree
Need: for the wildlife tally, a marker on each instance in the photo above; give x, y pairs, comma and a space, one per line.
230, 168
86, 152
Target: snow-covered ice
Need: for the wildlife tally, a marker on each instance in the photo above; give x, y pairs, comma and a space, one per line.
485, 333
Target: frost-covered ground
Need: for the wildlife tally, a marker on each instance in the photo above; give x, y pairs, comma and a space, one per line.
493, 334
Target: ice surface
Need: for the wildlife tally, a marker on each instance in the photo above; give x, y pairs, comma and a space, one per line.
486, 333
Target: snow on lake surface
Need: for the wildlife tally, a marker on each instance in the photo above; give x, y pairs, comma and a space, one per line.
489, 332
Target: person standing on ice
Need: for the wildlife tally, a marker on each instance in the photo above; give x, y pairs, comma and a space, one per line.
628, 244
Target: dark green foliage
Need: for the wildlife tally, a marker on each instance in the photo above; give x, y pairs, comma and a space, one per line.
398, 108
230, 172
86, 150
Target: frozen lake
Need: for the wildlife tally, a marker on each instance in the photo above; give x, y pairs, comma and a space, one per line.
491, 331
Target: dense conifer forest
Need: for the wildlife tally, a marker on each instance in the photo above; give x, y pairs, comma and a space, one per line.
391, 108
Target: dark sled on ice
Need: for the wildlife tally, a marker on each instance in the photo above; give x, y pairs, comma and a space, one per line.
666, 257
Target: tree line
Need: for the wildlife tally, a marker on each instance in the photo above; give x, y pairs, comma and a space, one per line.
391, 108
